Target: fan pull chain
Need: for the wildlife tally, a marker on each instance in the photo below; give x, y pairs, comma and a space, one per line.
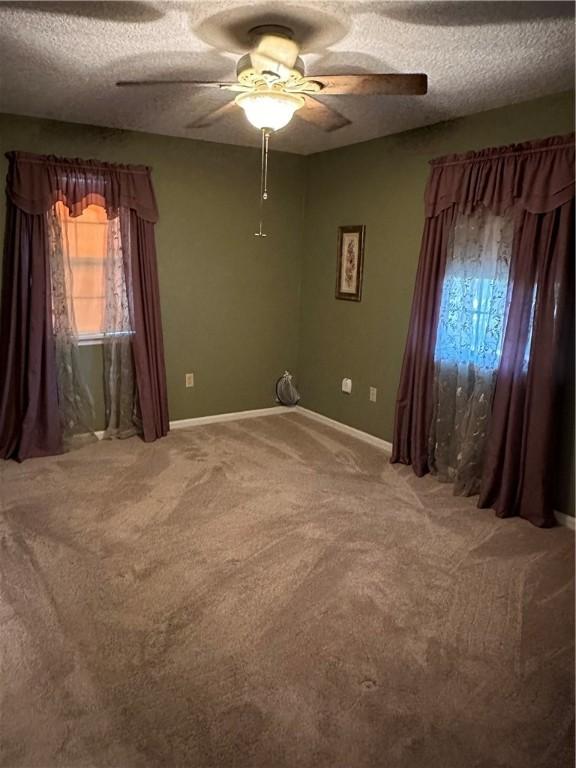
263, 180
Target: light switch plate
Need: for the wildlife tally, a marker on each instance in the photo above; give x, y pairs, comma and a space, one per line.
189, 379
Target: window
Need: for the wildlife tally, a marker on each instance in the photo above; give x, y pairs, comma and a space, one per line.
94, 270
474, 304
85, 239
473, 312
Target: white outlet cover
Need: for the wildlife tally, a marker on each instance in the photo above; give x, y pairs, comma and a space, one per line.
347, 386
189, 379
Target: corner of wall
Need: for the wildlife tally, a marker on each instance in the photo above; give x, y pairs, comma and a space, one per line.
302, 261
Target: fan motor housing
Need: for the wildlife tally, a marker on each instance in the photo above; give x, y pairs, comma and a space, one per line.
245, 65
276, 30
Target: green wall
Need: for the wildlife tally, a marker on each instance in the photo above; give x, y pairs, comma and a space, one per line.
381, 184
230, 301
237, 311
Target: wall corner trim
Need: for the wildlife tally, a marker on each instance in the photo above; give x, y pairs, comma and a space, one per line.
566, 520
216, 418
378, 442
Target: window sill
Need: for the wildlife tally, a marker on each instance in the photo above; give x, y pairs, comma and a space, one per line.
100, 338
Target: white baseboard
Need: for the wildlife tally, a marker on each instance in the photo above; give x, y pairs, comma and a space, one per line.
384, 445
275, 410
198, 421
566, 520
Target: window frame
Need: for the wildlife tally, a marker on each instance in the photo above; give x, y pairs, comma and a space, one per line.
445, 354
91, 339
98, 337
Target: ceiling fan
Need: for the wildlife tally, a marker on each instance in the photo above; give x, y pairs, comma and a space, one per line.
272, 86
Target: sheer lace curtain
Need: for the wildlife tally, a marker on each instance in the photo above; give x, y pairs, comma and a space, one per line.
120, 396
75, 400
76, 406
40, 397
490, 325
471, 325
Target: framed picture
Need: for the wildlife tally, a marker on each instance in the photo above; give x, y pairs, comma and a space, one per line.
350, 262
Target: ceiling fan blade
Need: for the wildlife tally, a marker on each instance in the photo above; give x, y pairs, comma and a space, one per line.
321, 115
212, 117
372, 85
202, 83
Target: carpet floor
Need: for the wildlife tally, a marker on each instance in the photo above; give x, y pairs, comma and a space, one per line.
271, 593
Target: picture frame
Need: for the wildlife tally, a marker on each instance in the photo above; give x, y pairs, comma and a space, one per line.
350, 262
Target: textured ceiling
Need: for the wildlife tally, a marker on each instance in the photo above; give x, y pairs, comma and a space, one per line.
61, 60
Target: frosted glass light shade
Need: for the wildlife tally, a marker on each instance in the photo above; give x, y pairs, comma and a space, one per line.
269, 109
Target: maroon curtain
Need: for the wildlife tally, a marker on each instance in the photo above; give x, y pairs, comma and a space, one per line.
36, 182
29, 419
518, 474
414, 400
147, 344
536, 181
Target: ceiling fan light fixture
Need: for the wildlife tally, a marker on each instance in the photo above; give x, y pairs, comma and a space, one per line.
269, 109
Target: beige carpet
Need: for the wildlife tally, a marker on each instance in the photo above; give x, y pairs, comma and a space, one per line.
271, 593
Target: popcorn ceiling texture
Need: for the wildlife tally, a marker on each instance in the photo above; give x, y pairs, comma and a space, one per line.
61, 61
272, 593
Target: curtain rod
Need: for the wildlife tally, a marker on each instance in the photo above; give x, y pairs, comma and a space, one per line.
497, 156
70, 162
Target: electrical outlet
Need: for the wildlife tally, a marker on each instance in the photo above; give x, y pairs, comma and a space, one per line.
347, 386
373, 392
189, 379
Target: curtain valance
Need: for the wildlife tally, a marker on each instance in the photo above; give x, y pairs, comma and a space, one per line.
36, 182
536, 175
38, 375
511, 458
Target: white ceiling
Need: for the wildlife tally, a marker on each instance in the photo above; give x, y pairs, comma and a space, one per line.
61, 60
